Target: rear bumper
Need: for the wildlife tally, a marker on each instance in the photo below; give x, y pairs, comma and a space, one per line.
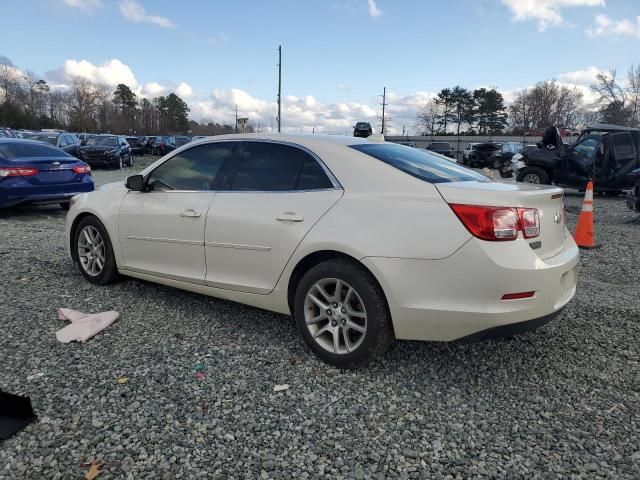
56, 194
510, 329
455, 297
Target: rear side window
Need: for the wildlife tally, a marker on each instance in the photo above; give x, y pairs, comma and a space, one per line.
623, 144
194, 169
272, 167
419, 163
11, 151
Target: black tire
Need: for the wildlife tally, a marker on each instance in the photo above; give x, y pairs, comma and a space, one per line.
130, 162
495, 164
532, 172
109, 273
505, 174
379, 330
65, 205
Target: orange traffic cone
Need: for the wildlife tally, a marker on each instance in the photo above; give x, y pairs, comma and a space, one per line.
584, 230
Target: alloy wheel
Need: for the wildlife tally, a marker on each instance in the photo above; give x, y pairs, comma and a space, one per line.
335, 316
531, 178
91, 250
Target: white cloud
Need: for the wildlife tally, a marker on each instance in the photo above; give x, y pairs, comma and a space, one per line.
111, 72
374, 11
545, 12
87, 5
580, 77
153, 89
605, 26
184, 90
218, 39
134, 12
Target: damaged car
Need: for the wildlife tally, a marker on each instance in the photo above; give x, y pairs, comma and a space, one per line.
608, 154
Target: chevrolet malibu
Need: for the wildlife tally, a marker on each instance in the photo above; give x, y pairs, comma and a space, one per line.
362, 241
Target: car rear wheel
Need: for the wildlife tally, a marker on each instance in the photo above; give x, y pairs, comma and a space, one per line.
130, 162
533, 175
93, 252
342, 314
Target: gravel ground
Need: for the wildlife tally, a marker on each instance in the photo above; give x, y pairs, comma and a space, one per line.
562, 402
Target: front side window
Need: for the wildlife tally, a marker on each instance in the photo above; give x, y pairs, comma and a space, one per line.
272, 167
587, 147
419, 163
194, 169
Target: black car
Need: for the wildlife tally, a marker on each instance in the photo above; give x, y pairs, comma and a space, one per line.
148, 142
68, 142
137, 147
362, 129
608, 154
111, 151
443, 148
484, 155
168, 143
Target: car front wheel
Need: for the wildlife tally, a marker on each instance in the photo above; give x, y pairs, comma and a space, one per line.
533, 175
93, 252
342, 314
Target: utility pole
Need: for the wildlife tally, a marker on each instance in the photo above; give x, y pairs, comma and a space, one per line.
384, 104
236, 118
279, 85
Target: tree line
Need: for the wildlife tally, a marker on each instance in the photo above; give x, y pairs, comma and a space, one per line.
29, 102
483, 111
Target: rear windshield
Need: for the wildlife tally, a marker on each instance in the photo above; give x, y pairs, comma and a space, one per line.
10, 151
420, 163
363, 125
52, 139
181, 141
440, 145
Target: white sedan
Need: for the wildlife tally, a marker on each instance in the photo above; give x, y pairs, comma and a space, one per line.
361, 240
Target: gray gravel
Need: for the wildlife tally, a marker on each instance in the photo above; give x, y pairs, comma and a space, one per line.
562, 402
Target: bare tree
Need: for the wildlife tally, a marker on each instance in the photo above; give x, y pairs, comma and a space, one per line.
546, 104
428, 117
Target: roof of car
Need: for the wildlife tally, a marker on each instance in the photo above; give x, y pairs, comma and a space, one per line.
607, 127
22, 140
298, 138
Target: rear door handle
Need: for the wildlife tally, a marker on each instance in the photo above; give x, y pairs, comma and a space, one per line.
190, 213
289, 217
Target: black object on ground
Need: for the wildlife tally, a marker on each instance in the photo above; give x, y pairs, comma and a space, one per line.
15, 414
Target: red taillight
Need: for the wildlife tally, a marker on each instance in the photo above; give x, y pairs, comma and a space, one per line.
517, 296
81, 169
498, 223
17, 172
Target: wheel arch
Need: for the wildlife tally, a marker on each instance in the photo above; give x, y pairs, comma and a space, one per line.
314, 258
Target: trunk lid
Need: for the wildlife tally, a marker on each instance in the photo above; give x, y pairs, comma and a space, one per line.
548, 201
50, 169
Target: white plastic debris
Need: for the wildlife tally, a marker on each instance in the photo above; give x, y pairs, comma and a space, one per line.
83, 326
280, 388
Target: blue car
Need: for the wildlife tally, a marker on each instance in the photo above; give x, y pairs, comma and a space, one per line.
33, 172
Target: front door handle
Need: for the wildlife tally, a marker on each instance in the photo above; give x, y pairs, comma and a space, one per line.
190, 213
289, 217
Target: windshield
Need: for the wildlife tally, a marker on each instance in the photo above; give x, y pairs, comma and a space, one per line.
441, 145
52, 139
10, 151
420, 163
363, 125
103, 141
181, 141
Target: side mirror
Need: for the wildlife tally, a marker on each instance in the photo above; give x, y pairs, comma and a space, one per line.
135, 183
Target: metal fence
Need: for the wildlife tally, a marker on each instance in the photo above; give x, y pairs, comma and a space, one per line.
461, 142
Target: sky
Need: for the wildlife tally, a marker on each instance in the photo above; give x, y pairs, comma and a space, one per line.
337, 55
